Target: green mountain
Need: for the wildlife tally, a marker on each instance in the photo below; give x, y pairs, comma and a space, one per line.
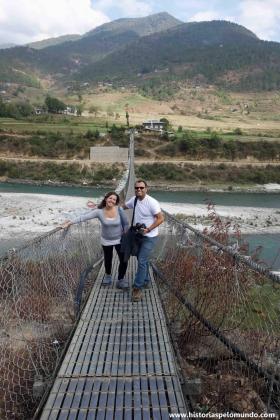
157, 50
105, 39
141, 26
38, 45
67, 58
216, 52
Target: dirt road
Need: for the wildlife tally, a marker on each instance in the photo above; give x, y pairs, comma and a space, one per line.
87, 162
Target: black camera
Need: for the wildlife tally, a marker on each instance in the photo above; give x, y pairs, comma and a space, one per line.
139, 228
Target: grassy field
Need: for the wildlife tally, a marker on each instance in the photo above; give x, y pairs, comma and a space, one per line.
202, 113
198, 127
196, 108
56, 124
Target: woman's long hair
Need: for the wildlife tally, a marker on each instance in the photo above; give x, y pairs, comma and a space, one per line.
103, 202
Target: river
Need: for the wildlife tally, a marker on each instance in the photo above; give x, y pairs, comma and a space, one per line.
270, 243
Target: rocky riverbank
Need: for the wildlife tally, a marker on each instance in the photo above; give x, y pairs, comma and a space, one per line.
23, 216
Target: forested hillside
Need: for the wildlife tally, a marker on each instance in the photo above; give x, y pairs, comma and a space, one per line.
70, 56
157, 49
215, 52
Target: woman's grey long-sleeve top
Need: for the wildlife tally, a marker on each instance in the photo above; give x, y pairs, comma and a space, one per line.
111, 229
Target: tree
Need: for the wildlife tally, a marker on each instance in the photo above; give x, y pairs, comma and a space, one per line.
165, 122
54, 105
127, 118
3, 110
80, 109
25, 109
230, 150
238, 131
117, 132
15, 109
214, 142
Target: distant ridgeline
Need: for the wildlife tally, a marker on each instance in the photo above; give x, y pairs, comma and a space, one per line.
157, 48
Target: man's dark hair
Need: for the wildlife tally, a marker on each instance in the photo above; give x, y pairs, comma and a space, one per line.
141, 180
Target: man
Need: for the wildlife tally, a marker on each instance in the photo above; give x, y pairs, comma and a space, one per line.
148, 212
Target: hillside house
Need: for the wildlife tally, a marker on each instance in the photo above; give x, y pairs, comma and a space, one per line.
39, 110
154, 125
70, 110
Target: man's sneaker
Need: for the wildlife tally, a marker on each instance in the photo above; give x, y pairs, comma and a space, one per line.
122, 284
147, 284
136, 294
107, 280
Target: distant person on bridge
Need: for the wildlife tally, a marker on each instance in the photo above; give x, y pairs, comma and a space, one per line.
113, 223
148, 213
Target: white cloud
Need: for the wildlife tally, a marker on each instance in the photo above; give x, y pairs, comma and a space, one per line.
262, 17
126, 8
23, 21
205, 15
135, 8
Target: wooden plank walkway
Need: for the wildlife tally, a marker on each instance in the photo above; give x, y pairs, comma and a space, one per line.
120, 362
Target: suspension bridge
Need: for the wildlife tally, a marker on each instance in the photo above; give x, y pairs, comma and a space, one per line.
205, 337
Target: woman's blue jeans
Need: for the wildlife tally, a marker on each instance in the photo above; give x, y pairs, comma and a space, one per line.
143, 257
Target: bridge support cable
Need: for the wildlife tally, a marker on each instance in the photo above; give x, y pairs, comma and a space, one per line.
227, 249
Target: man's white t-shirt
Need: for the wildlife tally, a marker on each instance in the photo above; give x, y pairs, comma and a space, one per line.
145, 212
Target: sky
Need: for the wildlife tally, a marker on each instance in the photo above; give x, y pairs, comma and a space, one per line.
24, 21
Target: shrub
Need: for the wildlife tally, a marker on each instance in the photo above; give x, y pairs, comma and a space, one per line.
238, 131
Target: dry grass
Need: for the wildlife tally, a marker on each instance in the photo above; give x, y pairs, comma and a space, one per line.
240, 304
194, 109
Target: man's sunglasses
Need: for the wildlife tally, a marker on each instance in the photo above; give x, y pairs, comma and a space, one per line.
139, 188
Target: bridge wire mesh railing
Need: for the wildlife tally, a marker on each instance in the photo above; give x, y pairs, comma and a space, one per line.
43, 285
224, 313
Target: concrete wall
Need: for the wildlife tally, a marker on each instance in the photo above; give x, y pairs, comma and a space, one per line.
109, 154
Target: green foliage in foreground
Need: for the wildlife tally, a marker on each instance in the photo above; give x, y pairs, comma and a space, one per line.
210, 174
261, 298
15, 110
50, 145
72, 174
215, 147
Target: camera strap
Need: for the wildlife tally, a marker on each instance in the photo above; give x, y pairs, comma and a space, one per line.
135, 202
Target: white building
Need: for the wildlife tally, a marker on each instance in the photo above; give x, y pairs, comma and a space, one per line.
109, 154
153, 125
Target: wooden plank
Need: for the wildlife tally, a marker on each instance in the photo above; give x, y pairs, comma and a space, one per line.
82, 415
111, 394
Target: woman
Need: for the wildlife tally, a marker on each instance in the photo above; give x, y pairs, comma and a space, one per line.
113, 222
